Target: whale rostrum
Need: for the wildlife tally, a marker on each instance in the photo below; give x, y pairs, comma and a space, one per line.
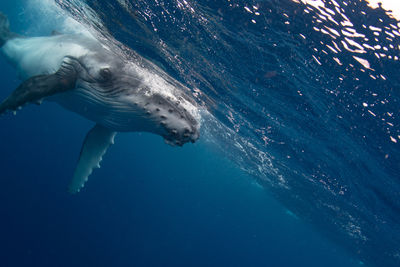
89, 78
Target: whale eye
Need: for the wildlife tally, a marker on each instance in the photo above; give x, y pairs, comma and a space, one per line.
105, 73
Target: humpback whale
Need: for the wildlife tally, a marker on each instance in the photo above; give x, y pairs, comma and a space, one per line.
86, 76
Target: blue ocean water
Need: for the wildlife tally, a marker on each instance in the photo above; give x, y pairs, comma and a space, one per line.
297, 164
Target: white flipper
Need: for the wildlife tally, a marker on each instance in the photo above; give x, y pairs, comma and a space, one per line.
94, 147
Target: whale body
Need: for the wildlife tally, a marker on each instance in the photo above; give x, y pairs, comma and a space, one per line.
87, 77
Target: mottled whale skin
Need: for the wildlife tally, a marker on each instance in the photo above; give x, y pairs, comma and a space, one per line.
87, 77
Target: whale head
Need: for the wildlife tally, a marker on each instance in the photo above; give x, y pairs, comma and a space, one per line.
127, 98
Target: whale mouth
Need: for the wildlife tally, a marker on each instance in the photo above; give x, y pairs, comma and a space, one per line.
179, 138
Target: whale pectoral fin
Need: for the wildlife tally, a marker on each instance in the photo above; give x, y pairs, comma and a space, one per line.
94, 147
38, 87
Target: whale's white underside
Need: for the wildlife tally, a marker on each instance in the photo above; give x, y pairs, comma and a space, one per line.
43, 55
